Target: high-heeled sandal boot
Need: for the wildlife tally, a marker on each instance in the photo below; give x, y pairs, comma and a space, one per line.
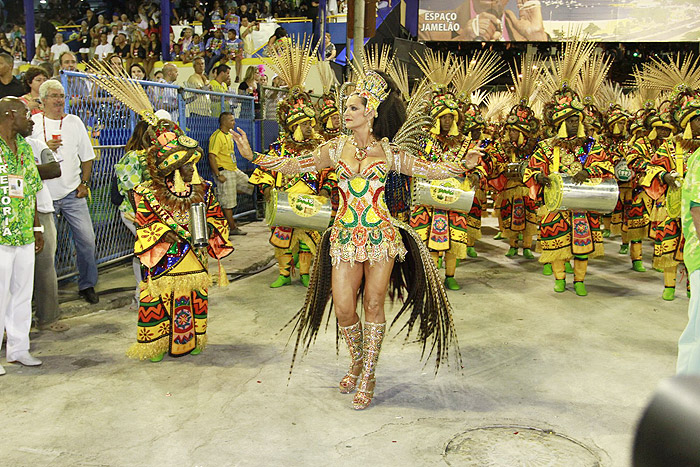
371, 346
353, 338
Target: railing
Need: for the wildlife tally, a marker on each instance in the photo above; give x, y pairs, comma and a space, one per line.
110, 125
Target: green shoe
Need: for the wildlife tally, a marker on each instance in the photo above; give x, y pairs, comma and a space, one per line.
471, 252
498, 236
158, 358
669, 293
451, 283
512, 252
559, 285
439, 266
295, 258
638, 266
457, 263
196, 351
527, 254
688, 293
580, 289
567, 268
281, 281
305, 280
547, 269
658, 269
606, 233
624, 249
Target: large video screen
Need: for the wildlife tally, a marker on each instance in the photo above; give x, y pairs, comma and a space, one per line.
545, 20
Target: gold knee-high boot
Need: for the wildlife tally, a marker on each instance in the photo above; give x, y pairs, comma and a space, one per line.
436, 258
450, 264
305, 258
558, 269
636, 250
372, 338
353, 338
580, 268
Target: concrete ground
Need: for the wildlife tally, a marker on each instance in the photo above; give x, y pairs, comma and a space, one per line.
581, 367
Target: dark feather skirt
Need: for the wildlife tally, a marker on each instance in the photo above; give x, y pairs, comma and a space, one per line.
426, 312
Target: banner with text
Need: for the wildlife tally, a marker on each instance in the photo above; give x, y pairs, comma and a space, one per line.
551, 20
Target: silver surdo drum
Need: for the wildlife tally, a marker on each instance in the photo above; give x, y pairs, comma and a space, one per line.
595, 194
298, 210
450, 194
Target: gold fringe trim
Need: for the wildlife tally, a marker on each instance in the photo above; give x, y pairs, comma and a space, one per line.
202, 341
168, 284
565, 254
148, 350
638, 232
665, 261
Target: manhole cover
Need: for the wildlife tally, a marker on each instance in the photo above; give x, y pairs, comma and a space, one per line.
515, 446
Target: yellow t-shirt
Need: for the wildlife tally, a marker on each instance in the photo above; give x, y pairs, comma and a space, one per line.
221, 145
216, 100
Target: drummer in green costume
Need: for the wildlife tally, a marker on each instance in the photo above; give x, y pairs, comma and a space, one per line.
565, 234
297, 119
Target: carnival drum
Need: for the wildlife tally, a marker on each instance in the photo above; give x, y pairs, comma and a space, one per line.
597, 195
516, 170
450, 194
298, 210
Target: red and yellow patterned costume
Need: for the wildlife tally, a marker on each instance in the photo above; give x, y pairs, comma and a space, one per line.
173, 300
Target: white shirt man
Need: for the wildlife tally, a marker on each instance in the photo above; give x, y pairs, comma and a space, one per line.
104, 49
58, 48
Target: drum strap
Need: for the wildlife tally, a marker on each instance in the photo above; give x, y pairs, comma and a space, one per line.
679, 159
557, 159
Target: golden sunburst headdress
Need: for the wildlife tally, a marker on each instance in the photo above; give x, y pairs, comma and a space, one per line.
610, 101
327, 104
559, 77
497, 105
292, 64
680, 76
170, 147
526, 81
440, 70
470, 75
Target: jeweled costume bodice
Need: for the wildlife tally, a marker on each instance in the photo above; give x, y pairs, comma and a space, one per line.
363, 228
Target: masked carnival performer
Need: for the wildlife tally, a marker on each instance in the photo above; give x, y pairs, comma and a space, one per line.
442, 231
173, 304
329, 126
297, 120
365, 244
614, 141
567, 234
516, 210
481, 68
648, 129
665, 171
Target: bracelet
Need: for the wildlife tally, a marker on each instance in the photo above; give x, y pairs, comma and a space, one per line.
85, 182
39, 228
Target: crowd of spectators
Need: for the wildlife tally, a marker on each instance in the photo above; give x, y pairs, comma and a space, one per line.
132, 30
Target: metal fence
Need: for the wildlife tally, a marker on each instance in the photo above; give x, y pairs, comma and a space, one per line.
110, 125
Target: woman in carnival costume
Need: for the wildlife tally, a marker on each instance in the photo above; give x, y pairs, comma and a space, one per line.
366, 250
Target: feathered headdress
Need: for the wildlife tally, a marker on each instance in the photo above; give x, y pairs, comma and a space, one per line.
368, 83
439, 70
170, 147
682, 78
497, 105
472, 74
610, 100
327, 104
526, 80
559, 78
483, 67
292, 64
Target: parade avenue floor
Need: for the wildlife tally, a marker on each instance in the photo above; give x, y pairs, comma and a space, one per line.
548, 379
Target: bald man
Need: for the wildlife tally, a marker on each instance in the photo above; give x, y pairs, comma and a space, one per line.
21, 232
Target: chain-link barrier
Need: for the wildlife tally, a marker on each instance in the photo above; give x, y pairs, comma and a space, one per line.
110, 125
